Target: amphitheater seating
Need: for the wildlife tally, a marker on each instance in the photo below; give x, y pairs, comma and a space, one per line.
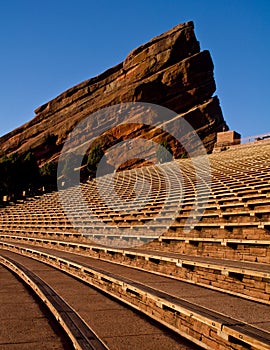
235, 204
213, 230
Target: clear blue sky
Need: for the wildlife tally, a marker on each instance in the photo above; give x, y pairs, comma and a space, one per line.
49, 46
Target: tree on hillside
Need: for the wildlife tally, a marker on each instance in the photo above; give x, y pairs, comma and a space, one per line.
9, 172
19, 173
49, 173
94, 157
30, 175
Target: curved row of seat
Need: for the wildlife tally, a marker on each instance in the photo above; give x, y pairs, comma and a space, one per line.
204, 222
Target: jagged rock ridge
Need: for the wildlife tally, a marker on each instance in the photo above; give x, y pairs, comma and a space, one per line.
169, 70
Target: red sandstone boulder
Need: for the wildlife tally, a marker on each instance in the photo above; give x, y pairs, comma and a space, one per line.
169, 71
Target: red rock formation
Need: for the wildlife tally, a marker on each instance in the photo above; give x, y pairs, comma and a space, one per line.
169, 71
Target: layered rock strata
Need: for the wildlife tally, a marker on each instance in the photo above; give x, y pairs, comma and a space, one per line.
170, 70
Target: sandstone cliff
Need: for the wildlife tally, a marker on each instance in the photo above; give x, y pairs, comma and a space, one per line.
169, 70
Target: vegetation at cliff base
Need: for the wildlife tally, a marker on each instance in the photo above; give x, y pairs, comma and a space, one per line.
94, 157
164, 152
21, 173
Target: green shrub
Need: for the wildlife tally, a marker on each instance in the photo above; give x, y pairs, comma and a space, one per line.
94, 157
164, 152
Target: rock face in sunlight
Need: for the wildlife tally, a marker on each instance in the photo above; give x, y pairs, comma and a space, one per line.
170, 70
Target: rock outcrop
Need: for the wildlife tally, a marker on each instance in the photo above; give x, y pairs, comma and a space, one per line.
169, 71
